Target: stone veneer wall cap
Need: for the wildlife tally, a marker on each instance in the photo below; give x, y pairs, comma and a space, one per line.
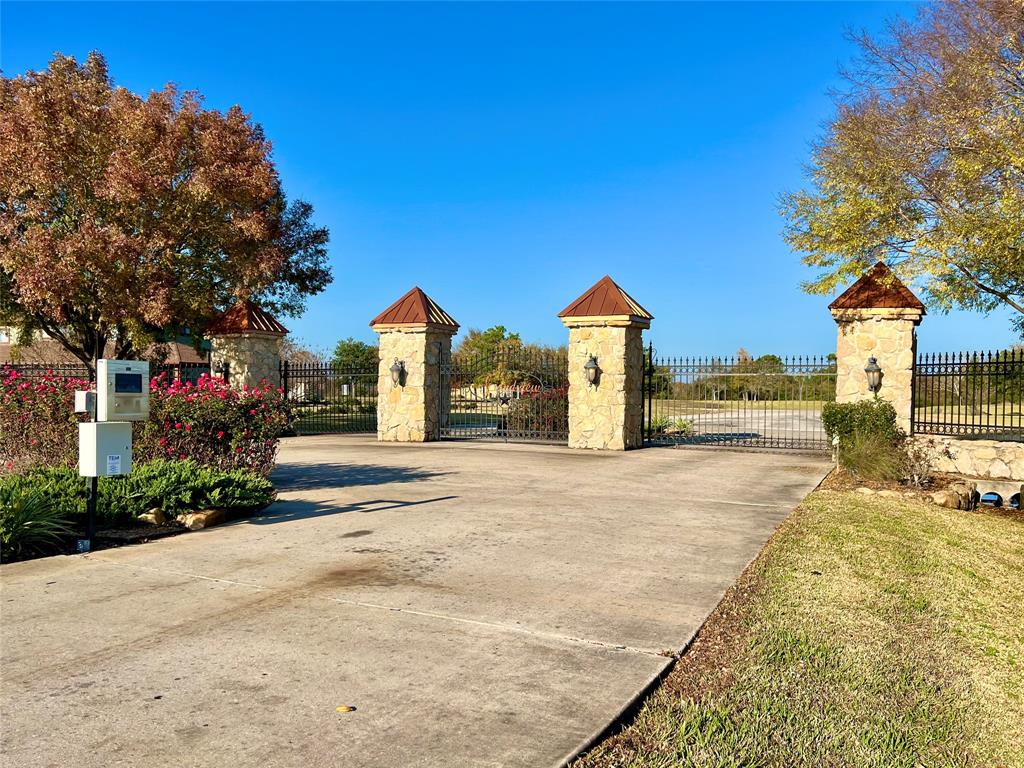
414, 328
877, 313
607, 321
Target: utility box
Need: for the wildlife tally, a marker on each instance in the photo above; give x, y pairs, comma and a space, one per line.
122, 390
104, 448
85, 401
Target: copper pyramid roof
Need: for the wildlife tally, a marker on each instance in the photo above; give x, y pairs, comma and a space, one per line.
415, 308
245, 316
878, 288
605, 298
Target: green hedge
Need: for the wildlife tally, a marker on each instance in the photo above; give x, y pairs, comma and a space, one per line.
874, 418
174, 486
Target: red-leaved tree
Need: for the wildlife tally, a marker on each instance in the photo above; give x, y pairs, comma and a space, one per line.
122, 215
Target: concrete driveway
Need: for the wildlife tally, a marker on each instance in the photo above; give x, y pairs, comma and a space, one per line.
479, 604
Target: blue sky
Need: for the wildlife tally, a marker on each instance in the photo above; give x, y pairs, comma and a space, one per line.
504, 157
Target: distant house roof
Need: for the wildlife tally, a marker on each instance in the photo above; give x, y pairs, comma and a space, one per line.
49, 351
245, 316
878, 288
415, 308
605, 298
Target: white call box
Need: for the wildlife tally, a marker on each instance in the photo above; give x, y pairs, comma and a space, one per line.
104, 448
122, 390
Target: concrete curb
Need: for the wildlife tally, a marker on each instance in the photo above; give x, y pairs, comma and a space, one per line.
626, 712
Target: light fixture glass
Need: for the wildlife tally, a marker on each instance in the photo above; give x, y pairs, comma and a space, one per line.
591, 369
397, 369
874, 373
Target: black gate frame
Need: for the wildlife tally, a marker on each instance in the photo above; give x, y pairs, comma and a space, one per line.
510, 395
324, 398
750, 421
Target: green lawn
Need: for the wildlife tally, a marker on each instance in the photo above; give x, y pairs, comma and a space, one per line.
312, 423
870, 632
994, 414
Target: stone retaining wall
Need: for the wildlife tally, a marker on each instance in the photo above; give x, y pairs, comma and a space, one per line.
994, 459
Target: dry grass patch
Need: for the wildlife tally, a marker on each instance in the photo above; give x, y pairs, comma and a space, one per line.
870, 632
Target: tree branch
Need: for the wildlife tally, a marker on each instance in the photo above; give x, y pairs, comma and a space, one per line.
988, 289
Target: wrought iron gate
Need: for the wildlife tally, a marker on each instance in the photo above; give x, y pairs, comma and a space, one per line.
324, 398
512, 394
739, 401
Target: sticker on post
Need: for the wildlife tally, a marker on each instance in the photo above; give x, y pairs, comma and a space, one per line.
113, 464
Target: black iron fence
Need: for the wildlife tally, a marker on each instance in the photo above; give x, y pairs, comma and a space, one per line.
512, 394
39, 370
171, 371
970, 393
767, 402
325, 398
190, 371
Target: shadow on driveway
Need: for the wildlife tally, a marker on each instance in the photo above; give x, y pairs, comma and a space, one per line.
308, 477
285, 511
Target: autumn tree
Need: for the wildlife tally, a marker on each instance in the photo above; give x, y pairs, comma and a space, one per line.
923, 164
122, 216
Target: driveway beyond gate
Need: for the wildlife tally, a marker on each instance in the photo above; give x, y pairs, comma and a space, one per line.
484, 605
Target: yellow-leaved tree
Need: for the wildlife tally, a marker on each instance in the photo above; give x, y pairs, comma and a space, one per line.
923, 164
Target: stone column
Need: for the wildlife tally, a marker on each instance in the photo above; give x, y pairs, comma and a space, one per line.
606, 324
252, 358
877, 317
416, 333
248, 339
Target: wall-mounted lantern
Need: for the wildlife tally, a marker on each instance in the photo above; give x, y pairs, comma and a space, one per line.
591, 369
397, 372
874, 373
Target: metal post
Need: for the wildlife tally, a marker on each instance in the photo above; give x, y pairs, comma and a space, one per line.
92, 492
650, 384
90, 512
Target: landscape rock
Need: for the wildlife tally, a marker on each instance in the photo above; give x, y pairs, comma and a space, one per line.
956, 496
196, 521
155, 516
865, 491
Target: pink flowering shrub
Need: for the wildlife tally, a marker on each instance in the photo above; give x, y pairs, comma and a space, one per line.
213, 423
208, 421
38, 425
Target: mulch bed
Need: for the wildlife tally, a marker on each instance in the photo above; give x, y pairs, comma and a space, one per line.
108, 538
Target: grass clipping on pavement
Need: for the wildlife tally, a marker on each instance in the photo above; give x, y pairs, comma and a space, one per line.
870, 632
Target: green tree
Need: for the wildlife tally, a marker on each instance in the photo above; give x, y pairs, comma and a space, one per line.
122, 215
923, 164
351, 353
484, 344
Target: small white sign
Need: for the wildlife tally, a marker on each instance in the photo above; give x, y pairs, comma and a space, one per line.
113, 464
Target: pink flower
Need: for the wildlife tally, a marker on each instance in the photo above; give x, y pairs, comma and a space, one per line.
188, 427
220, 435
177, 425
